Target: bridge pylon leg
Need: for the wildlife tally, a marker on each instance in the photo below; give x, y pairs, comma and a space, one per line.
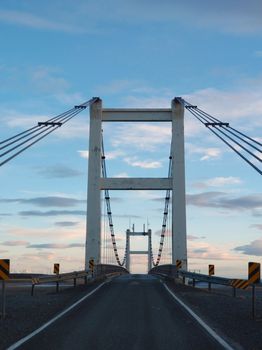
179, 239
93, 225
128, 250
149, 250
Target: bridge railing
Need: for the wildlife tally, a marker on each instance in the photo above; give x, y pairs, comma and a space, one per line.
171, 271
100, 271
204, 278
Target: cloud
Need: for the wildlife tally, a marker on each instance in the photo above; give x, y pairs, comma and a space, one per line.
189, 237
19, 120
45, 80
15, 119
145, 164
167, 233
33, 21
119, 86
114, 154
50, 201
52, 213
193, 238
127, 216
230, 105
124, 174
56, 245
15, 243
86, 16
141, 136
253, 248
66, 223
257, 226
206, 251
63, 234
223, 16
226, 201
46, 256
84, 154
58, 171
218, 182
207, 153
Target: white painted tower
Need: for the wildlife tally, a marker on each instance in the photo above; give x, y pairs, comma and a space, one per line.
96, 183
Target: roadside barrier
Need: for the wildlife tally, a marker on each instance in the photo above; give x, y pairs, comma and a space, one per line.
60, 278
98, 272
173, 272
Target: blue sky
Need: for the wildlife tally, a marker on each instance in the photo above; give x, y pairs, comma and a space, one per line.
56, 54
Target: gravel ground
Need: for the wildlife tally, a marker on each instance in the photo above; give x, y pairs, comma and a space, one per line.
25, 313
230, 317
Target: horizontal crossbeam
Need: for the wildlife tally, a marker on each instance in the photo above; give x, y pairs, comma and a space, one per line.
131, 233
138, 252
135, 183
136, 115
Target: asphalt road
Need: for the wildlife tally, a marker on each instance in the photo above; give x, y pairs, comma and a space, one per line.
131, 313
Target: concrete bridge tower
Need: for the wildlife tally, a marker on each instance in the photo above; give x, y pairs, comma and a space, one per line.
176, 183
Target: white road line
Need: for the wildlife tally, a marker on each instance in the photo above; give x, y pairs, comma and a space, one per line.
213, 334
45, 325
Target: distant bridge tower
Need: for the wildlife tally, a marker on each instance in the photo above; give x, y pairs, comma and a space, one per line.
144, 252
96, 183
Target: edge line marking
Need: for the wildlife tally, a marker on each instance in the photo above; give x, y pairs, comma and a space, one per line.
208, 329
45, 325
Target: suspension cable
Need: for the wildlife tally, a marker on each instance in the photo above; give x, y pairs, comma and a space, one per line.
39, 132
225, 132
109, 212
164, 223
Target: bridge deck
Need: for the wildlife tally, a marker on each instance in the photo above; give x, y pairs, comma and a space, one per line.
130, 312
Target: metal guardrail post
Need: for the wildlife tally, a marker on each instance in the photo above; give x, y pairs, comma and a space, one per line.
3, 299
57, 286
75, 279
253, 301
32, 289
194, 282
209, 286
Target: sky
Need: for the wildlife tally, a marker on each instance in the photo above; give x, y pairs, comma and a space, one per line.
56, 54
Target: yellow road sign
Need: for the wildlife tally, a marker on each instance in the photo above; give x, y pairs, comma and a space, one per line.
56, 268
179, 264
241, 284
4, 269
91, 264
211, 270
35, 280
254, 272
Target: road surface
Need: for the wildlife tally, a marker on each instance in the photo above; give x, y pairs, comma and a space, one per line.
131, 312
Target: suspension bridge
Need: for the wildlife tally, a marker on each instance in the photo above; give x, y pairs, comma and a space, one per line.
144, 297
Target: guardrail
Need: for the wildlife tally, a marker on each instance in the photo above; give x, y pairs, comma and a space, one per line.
60, 278
100, 271
205, 278
172, 272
